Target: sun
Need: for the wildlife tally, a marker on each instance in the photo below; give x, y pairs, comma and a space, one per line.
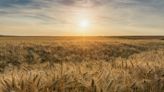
84, 23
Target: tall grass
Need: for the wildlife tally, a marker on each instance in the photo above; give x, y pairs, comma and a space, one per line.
106, 65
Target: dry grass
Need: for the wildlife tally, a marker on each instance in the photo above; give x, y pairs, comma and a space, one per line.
81, 65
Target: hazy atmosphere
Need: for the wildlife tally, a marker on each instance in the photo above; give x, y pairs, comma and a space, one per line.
81, 17
81, 45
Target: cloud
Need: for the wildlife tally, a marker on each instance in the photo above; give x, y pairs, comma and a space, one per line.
83, 3
118, 12
42, 3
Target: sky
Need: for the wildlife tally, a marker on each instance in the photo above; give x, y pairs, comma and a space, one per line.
81, 17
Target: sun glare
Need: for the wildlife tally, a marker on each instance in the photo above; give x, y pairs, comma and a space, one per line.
84, 23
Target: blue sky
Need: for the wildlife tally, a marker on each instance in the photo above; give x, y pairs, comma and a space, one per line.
62, 17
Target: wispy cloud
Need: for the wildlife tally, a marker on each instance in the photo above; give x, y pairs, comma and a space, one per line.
134, 13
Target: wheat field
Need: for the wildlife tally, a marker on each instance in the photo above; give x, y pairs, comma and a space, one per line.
81, 64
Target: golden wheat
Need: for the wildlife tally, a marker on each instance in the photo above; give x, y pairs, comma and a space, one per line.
75, 65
